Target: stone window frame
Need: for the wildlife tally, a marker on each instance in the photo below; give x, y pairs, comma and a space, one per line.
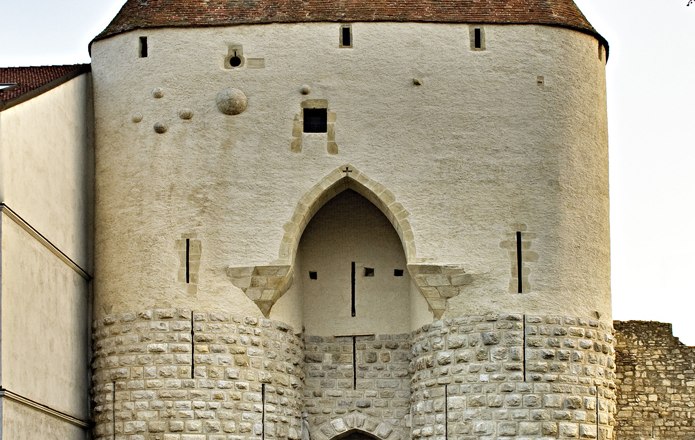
472, 34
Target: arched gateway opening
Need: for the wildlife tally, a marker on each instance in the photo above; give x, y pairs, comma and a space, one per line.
353, 295
352, 272
280, 281
346, 260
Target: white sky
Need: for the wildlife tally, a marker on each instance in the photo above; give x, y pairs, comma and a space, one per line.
651, 104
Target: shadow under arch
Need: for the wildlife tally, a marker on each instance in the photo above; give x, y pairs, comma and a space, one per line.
341, 179
355, 434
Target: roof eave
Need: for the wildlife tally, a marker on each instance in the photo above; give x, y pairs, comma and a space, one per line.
84, 68
106, 34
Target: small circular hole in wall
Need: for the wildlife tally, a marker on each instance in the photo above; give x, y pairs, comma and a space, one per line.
235, 61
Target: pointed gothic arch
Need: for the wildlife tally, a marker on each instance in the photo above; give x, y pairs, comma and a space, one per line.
339, 180
265, 284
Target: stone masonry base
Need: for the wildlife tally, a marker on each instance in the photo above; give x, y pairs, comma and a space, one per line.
173, 374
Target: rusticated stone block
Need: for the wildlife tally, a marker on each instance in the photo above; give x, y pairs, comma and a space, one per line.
169, 403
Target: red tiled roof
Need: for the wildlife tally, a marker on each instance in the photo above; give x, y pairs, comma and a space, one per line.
29, 82
142, 14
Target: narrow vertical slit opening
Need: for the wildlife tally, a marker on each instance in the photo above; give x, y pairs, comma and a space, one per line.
188, 260
598, 417
113, 409
446, 412
523, 346
354, 362
519, 264
352, 291
143, 47
192, 346
262, 411
477, 38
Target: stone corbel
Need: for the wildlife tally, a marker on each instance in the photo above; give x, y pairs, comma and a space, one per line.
437, 283
264, 285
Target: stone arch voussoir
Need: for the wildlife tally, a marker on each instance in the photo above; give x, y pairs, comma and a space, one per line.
340, 179
355, 422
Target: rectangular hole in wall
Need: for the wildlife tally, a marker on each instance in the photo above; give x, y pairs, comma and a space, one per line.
369, 271
345, 36
315, 120
397, 272
143, 47
313, 275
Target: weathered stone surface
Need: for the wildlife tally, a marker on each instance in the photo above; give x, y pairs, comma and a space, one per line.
381, 387
201, 396
231, 101
495, 387
655, 383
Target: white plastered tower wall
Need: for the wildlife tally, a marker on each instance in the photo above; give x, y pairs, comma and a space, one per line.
46, 168
460, 149
508, 150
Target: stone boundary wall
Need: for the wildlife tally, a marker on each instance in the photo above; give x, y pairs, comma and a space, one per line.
172, 380
380, 390
513, 376
656, 383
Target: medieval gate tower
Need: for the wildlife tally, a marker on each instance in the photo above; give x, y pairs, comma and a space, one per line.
351, 219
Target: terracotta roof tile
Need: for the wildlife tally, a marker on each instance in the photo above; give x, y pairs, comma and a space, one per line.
142, 14
28, 82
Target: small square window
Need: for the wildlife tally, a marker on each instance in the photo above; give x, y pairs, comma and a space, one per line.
315, 120
369, 271
397, 272
313, 275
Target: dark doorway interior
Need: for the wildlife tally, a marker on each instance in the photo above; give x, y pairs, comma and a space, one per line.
357, 436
